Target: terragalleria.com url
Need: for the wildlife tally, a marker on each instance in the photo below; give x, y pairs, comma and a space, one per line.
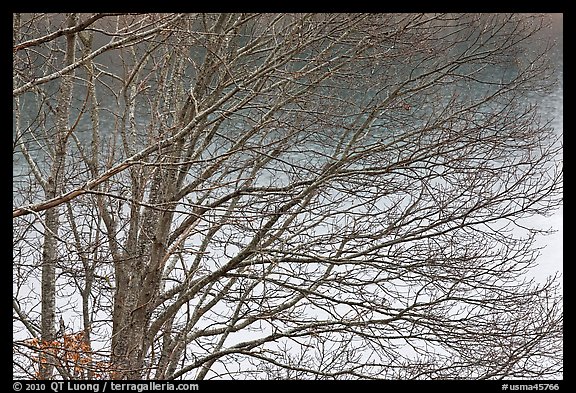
122, 386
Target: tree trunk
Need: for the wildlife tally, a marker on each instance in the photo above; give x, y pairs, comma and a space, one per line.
136, 291
52, 223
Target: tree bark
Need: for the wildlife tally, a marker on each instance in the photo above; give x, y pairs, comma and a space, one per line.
52, 222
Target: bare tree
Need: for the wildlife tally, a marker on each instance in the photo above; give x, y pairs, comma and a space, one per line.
282, 196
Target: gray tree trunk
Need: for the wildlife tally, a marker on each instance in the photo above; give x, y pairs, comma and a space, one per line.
52, 223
